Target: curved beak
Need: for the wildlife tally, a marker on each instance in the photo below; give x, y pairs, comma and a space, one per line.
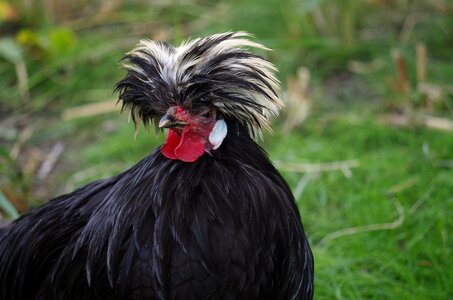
168, 121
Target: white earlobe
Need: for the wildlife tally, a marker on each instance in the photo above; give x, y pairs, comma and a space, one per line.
218, 133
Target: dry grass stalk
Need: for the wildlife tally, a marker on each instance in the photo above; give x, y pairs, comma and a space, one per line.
437, 123
366, 228
22, 79
51, 159
425, 197
89, 110
409, 24
300, 187
421, 54
399, 187
432, 92
24, 136
321, 22
318, 168
359, 67
413, 120
402, 81
109, 6
33, 160
298, 100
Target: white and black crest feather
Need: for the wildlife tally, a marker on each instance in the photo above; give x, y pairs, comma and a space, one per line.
212, 71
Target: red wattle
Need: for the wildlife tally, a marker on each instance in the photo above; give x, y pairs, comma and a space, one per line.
188, 147
172, 141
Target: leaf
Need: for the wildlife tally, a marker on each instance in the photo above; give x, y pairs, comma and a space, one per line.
10, 50
29, 38
62, 41
7, 207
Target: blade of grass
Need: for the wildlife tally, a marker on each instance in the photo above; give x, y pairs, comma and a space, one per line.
7, 207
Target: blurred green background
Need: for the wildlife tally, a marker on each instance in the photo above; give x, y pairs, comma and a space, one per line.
366, 141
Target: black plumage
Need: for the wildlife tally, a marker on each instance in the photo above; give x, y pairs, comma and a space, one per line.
224, 226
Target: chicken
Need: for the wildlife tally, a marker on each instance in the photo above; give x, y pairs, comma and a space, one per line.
204, 216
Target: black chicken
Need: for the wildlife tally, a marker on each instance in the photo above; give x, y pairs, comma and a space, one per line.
205, 216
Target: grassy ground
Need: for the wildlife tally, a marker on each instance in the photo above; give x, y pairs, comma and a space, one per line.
379, 228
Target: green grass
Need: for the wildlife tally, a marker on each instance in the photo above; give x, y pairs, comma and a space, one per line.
404, 174
403, 263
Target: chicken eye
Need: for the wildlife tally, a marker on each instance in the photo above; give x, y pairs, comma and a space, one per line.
207, 114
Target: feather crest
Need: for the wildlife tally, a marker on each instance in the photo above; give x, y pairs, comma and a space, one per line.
213, 71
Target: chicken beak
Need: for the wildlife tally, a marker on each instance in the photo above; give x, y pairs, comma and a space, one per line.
168, 121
